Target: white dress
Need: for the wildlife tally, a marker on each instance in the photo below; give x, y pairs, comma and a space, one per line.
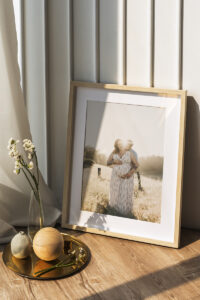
121, 190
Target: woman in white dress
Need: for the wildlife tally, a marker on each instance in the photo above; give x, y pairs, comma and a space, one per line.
124, 165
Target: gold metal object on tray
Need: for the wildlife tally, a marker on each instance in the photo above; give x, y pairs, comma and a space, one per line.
76, 253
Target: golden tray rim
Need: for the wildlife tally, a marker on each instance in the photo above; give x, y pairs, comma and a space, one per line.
7, 259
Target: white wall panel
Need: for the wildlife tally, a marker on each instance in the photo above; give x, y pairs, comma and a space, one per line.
84, 40
112, 41
35, 76
191, 82
58, 51
139, 42
167, 44
191, 48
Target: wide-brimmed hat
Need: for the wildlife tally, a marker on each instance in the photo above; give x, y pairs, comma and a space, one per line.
127, 143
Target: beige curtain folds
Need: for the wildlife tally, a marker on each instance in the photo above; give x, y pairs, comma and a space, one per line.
14, 190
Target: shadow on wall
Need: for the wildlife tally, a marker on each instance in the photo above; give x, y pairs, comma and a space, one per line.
191, 178
155, 283
100, 221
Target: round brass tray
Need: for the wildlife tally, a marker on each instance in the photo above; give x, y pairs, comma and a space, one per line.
75, 252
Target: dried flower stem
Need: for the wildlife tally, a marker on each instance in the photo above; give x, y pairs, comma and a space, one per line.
61, 264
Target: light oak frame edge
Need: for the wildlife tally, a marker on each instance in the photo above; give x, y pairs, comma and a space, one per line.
70, 131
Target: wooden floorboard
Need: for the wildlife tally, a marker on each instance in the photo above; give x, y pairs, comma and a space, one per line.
119, 269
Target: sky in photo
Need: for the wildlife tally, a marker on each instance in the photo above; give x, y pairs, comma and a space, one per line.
107, 122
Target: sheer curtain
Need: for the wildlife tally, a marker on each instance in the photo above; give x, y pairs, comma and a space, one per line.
14, 191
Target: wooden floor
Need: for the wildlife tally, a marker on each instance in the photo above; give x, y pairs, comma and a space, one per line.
119, 269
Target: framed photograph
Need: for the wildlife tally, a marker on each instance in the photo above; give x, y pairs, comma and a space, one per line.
124, 164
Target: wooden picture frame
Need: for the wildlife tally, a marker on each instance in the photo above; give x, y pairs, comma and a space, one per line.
176, 101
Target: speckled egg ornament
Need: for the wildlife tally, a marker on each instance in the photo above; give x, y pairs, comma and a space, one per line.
48, 243
21, 245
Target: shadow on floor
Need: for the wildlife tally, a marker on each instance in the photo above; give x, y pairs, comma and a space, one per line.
156, 283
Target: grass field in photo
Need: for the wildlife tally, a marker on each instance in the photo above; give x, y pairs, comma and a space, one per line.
146, 202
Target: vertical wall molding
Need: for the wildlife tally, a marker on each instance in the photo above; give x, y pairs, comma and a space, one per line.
71, 38
140, 45
35, 76
47, 71
124, 40
167, 44
97, 41
84, 40
180, 35
151, 18
111, 37
60, 71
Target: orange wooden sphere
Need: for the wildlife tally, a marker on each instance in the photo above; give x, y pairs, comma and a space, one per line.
48, 243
